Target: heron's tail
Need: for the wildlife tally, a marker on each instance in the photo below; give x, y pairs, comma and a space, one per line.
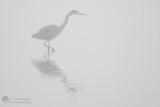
34, 36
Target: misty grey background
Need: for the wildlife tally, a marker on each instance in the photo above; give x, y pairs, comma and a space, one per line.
109, 58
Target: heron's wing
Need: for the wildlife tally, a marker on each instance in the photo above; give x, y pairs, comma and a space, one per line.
46, 32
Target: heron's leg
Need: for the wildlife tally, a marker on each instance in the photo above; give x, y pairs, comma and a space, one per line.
45, 43
48, 45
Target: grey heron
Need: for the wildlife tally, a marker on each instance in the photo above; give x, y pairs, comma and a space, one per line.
49, 32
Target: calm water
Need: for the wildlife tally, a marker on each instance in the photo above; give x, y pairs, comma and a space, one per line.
110, 58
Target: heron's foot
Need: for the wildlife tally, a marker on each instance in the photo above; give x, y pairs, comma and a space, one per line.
52, 49
49, 48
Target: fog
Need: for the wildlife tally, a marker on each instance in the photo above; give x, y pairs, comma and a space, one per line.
108, 58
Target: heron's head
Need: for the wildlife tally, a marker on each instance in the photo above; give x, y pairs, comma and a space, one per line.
75, 12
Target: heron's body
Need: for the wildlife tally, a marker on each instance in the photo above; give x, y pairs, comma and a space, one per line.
46, 33
49, 32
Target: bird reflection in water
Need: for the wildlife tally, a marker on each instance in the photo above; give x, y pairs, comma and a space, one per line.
49, 69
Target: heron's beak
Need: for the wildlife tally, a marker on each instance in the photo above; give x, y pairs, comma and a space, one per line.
81, 14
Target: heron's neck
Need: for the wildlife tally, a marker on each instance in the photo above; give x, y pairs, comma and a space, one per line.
65, 21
